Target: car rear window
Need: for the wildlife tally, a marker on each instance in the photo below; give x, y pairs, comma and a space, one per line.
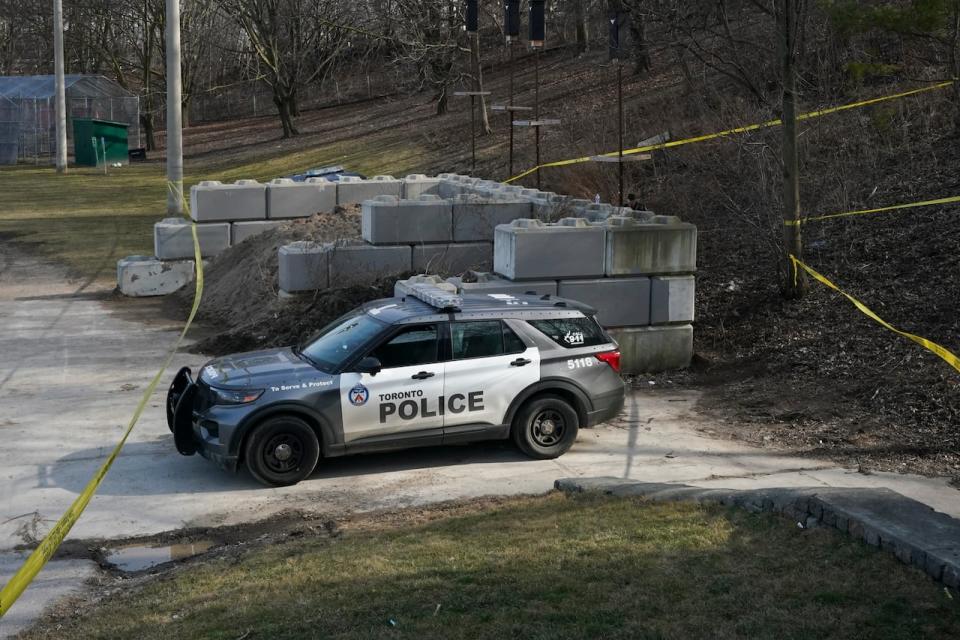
572, 332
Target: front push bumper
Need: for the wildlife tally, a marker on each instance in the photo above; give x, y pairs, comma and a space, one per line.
193, 432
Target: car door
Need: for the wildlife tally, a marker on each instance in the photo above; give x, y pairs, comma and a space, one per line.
489, 366
403, 398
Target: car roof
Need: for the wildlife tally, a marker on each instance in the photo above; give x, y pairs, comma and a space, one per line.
402, 310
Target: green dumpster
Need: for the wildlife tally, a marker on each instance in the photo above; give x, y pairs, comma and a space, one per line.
96, 140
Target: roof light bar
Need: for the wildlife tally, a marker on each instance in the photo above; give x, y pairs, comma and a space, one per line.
436, 297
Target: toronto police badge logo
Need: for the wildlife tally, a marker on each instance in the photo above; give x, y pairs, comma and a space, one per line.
359, 395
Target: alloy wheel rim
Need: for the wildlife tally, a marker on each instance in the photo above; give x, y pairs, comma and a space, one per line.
283, 453
548, 428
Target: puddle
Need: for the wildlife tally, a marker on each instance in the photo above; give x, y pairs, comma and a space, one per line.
140, 557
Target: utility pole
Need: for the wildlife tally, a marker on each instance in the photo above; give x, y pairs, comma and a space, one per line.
61, 98
796, 284
174, 114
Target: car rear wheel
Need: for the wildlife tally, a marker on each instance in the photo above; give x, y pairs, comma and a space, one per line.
545, 427
282, 451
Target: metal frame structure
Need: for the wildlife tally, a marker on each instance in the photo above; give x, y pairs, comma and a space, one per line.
87, 96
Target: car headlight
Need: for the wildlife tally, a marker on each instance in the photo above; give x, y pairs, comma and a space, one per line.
239, 396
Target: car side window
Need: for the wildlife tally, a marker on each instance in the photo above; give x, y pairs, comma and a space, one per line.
412, 346
572, 332
482, 339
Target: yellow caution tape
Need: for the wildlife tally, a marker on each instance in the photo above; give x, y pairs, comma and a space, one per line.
949, 357
911, 205
51, 542
728, 132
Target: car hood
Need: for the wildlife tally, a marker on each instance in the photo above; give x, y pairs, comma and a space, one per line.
257, 369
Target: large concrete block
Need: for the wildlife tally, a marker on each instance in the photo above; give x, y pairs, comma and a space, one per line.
635, 247
213, 201
596, 211
491, 283
532, 250
387, 220
418, 184
653, 349
672, 299
303, 267
454, 184
353, 190
289, 199
554, 207
453, 258
619, 302
172, 239
475, 218
142, 276
352, 264
240, 231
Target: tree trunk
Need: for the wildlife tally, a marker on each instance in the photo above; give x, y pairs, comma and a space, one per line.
478, 82
955, 64
294, 104
795, 284
286, 115
442, 101
146, 121
185, 111
583, 34
638, 34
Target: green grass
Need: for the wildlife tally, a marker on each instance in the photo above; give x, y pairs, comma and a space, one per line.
550, 567
88, 220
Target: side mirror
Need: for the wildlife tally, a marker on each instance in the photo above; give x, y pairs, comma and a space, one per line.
369, 365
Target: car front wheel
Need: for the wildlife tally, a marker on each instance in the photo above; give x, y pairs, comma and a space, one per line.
282, 451
546, 427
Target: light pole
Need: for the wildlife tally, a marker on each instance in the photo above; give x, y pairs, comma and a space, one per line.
61, 97
174, 115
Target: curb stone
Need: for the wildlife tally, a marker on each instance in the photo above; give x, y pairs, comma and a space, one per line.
910, 530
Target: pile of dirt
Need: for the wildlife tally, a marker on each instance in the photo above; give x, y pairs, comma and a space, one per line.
240, 284
281, 323
240, 298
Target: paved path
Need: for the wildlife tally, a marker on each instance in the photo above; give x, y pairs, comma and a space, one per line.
73, 364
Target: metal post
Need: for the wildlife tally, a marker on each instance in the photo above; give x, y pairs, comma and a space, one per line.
620, 125
795, 285
536, 108
61, 99
473, 135
174, 115
510, 105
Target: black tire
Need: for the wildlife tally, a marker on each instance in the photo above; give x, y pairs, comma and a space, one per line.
281, 451
545, 427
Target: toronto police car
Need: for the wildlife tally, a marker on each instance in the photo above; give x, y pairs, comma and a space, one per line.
429, 368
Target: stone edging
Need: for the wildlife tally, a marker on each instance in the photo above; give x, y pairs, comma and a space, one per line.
916, 534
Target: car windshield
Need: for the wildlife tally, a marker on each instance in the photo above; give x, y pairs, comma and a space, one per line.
331, 347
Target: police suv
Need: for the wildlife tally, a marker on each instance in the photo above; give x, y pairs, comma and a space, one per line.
429, 368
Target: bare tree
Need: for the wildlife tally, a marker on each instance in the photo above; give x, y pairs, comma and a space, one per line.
295, 41
430, 44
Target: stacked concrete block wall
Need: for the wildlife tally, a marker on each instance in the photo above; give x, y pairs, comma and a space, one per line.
636, 271
429, 233
387, 220
353, 190
173, 239
213, 201
417, 185
634, 267
288, 199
